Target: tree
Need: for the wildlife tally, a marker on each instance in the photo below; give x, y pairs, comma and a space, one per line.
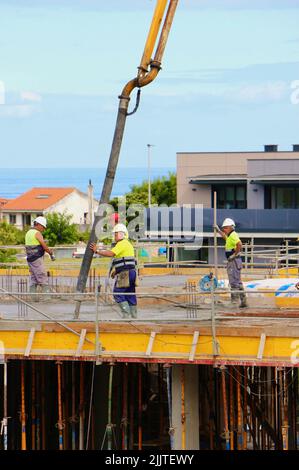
60, 230
163, 191
11, 235
8, 256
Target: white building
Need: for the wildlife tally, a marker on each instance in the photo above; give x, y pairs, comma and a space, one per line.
42, 201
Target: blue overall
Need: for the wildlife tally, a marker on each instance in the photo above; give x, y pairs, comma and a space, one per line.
117, 291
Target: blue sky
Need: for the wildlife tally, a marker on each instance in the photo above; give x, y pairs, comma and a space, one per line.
225, 83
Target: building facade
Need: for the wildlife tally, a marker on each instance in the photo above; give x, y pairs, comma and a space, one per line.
259, 190
242, 180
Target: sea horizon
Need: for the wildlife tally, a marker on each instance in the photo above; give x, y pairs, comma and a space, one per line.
16, 181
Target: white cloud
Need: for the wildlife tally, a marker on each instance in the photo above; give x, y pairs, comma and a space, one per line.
269, 91
30, 96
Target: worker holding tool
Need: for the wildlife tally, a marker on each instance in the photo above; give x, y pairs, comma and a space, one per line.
123, 269
233, 247
36, 247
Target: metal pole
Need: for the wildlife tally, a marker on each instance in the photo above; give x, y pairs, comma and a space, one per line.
109, 425
215, 236
239, 413
59, 424
169, 400
98, 346
125, 409
33, 408
23, 415
245, 410
213, 321
211, 407
37, 407
149, 173
43, 403
139, 407
231, 408
225, 414
73, 406
132, 403
287, 257
82, 413
183, 415
5, 417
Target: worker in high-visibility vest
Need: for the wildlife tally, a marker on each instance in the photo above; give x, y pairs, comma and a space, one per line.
233, 248
36, 247
123, 269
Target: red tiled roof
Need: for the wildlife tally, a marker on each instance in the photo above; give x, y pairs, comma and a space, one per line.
37, 199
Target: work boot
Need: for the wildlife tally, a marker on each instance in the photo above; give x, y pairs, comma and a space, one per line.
234, 298
45, 290
243, 298
32, 290
125, 309
133, 309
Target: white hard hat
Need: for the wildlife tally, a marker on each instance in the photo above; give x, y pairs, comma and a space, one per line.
228, 223
41, 220
120, 228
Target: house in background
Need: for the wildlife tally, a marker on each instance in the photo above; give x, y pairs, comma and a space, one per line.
3, 201
42, 201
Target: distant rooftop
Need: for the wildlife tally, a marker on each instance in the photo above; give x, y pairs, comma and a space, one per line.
37, 199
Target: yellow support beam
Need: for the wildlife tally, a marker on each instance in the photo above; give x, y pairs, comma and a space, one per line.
167, 347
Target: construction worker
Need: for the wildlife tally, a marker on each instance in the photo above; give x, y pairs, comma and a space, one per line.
35, 249
233, 247
123, 269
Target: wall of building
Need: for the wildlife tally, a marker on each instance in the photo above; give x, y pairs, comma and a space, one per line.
255, 196
19, 220
76, 204
261, 167
190, 165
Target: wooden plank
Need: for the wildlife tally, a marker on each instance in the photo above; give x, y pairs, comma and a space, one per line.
228, 328
29, 342
81, 342
11, 325
150, 343
261, 346
193, 346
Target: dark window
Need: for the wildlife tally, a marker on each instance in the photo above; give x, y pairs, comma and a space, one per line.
230, 196
26, 219
12, 218
284, 197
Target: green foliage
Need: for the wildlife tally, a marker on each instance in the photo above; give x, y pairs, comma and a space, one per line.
84, 236
163, 191
60, 230
8, 256
11, 235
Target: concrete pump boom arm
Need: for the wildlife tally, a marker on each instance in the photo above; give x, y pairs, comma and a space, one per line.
147, 72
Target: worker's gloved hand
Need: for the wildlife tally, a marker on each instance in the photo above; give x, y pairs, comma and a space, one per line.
93, 247
216, 227
52, 257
